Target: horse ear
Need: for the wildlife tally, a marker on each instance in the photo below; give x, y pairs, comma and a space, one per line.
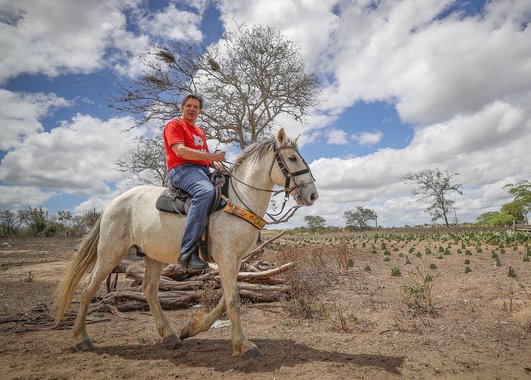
281, 136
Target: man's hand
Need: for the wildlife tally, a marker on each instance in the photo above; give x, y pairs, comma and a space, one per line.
218, 155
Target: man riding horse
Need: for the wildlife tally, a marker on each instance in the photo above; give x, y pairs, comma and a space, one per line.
188, 162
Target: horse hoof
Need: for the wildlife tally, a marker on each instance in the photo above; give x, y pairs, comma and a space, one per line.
185, 333
253, 354
171, 341
85, 345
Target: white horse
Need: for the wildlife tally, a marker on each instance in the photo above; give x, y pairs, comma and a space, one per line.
131, 220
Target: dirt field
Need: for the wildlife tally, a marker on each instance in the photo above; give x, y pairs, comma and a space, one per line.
367, 323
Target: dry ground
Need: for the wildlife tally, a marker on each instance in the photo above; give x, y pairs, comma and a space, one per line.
364, 328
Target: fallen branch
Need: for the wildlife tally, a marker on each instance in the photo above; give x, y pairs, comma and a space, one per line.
258, 250
264, 274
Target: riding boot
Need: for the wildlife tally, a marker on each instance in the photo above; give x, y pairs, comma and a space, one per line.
191, 260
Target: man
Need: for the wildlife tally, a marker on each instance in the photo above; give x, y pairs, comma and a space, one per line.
188, 162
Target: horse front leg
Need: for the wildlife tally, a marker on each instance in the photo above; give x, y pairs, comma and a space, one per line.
240, 345
150, 287
203, 322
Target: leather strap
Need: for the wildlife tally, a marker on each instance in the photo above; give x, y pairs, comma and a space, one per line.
246, 215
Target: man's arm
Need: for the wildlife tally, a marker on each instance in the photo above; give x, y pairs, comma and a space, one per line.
191, 154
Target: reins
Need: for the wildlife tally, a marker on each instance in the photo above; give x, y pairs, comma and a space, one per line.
289, 176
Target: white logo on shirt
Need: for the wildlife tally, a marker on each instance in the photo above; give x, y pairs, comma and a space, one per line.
198, 140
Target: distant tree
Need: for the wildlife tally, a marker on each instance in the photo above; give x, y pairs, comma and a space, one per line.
64, 218
34, 218
314, 221
494, 219
87, 220
522, 196
515, 210
147, 161
256, 76
8, 223
435, 185
359, 217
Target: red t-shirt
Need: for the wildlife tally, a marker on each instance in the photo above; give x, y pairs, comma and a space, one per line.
178, 131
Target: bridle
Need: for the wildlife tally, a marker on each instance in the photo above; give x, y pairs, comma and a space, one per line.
288, 175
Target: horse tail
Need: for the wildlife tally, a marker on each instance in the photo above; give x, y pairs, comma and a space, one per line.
83, 258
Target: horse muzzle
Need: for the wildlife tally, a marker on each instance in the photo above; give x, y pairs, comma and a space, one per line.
306, 194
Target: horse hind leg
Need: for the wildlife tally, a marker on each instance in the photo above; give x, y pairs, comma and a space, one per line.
150, 287
101, 270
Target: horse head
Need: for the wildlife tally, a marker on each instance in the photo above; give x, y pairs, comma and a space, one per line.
292, 172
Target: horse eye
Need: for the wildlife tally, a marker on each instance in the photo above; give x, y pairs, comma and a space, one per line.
292, 158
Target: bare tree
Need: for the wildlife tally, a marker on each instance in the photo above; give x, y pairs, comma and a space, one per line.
434, 185
147, 162
8, 223
256, 75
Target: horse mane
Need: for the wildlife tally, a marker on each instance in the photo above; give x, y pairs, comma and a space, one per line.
257, 150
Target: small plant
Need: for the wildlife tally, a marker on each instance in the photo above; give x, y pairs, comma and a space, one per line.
497, 262
468, 253
418, 294
433, 266
468, 270
395, 272
467, 262
29, 278
512, 273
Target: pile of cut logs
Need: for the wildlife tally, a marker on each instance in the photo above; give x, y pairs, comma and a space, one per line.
257, 282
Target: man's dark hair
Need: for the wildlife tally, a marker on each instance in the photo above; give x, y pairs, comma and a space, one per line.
193, 96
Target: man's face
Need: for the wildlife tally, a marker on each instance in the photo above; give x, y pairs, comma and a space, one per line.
191, 110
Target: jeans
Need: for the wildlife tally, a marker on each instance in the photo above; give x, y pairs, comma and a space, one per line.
195, 180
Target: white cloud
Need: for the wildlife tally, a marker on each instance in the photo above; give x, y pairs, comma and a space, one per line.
60, 37
433, 68
368, 138
20, 114
78, 157
174, 24
13, 197
336, 137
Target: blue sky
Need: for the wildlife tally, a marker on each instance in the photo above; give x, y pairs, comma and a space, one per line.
406, 86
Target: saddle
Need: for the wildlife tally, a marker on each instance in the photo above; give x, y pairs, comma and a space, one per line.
178, 201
